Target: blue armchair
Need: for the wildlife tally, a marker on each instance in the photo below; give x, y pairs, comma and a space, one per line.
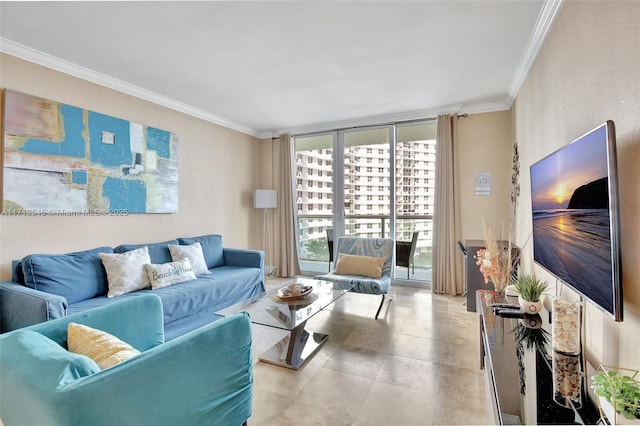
375, 247
203, 377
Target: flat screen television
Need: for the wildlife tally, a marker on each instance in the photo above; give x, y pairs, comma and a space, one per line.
576, 234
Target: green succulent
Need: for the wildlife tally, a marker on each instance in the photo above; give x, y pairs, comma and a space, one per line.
529, 287
612, 385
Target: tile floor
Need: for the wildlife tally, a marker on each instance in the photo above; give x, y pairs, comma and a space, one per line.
418, 364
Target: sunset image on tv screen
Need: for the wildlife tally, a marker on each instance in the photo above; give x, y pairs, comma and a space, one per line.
571, 223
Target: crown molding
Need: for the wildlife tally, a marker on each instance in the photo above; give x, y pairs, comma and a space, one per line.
486, 107
32, 55
546, 18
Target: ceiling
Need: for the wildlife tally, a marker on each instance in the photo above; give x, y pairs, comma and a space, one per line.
269, 67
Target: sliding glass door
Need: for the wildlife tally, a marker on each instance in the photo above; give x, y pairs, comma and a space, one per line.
367, 182
314, 199
366, 189
415, 169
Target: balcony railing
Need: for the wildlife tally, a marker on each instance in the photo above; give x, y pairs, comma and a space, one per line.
313, 250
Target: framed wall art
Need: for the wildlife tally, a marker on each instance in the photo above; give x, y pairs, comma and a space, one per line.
62, 158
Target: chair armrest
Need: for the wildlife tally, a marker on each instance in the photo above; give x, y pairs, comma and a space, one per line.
238, 257
22, 306
204, 377
136, 320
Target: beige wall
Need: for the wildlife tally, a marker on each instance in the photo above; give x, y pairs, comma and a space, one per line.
219, 170
588, 72
484, 146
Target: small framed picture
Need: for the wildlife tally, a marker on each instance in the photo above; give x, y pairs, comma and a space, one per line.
108, 138
483, 184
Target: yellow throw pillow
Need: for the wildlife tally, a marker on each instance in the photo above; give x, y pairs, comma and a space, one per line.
367, 266
106, 350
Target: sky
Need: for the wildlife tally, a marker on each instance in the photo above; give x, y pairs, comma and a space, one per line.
554, 178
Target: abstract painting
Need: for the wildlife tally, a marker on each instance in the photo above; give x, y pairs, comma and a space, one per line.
60, 159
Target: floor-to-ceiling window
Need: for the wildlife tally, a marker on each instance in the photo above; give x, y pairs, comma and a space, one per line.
313, 183
367, 182
366, 172
415, 184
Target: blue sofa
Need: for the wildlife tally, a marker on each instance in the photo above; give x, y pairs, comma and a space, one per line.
204, 377
46, 287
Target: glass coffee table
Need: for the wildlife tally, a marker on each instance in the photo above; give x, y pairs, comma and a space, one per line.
296, 348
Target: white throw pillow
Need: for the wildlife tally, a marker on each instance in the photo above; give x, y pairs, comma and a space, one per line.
166, 274
125, 271
195, 255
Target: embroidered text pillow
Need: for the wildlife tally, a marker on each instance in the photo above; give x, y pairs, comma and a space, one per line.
166, 274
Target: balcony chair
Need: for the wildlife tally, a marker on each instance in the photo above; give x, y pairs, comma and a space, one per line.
330, 246
405, 250
372, 247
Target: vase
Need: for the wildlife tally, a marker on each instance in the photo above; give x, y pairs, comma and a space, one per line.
566, 325
529, 307
567, 380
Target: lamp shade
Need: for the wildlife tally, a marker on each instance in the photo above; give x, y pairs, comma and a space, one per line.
265, 199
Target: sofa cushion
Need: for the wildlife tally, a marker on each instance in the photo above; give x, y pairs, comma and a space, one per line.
224, 286
125, 271
105, 349
74, 276
158, 252
184, 306
211, 247
170, 273
193, 252
43, 361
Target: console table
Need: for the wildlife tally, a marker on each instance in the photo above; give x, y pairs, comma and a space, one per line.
528, 382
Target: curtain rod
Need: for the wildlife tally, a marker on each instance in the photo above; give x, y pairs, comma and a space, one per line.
390, 123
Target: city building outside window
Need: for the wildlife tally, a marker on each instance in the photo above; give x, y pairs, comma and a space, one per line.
414, 171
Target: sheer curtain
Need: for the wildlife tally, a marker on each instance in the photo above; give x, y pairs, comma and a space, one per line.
285, 227
447, 262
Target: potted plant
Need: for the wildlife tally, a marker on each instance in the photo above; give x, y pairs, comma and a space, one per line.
617, 391
529, 289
